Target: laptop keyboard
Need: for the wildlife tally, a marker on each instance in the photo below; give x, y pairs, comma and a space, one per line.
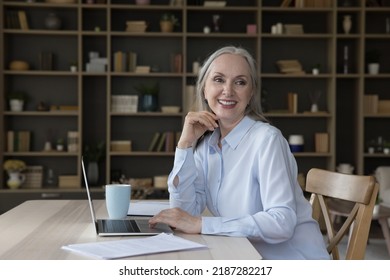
120, 226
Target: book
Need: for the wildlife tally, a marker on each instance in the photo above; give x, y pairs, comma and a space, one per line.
292, 101
285, 3
12, 20
161, 142
132, 61
23, 20
153, 143
169, 141
10, 141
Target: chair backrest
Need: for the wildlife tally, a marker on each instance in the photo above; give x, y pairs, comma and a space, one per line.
362, 190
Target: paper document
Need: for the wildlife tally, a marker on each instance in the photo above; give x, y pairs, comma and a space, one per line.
147, 208
133, 247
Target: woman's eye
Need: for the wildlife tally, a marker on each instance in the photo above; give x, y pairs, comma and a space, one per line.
241, 83
218, 80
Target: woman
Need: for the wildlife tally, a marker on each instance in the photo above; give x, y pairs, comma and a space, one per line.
231, 160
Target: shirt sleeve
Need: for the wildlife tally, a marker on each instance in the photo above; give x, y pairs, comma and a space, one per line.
189, 194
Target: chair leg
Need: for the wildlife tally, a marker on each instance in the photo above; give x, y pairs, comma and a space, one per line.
385, 230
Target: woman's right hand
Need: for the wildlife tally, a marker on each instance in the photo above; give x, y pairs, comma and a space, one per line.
195, 125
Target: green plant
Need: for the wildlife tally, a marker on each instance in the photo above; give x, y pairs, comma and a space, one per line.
94, 153
19, 95
373, 56
148, 89
316, 66
170, 17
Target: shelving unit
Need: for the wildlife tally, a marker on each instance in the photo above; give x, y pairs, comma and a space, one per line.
100, 28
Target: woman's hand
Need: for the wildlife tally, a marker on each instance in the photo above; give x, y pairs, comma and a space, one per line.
195, 125
178, 219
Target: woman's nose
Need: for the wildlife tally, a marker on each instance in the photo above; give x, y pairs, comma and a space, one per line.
227, 90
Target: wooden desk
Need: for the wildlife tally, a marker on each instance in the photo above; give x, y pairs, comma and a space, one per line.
37, 229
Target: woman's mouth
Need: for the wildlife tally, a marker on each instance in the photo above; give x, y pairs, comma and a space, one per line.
227, 102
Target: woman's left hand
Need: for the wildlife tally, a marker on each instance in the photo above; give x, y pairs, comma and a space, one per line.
178, 219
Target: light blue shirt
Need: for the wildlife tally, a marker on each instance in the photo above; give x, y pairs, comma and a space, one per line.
251, 188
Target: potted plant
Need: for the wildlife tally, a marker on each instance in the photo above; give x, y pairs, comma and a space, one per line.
316, 69
17, 100
73, 66
372, 60
149, 96
168, 21
386, 147
60, 144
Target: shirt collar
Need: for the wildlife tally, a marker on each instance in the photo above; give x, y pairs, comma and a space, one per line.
235, 136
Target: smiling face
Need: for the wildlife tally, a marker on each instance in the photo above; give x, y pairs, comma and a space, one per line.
228, 88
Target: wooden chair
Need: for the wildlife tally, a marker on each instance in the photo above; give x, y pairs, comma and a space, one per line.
361, 190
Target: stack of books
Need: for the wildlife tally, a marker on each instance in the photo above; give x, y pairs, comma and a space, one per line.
34, 176
290, 67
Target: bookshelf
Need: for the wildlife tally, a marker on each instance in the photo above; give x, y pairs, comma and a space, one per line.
95, 38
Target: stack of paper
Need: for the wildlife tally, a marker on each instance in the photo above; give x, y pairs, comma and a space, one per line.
133, 247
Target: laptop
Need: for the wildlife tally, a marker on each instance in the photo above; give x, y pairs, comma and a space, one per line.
122, 227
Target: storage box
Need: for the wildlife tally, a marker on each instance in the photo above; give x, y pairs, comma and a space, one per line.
34, 176
69, 181
321, 142
121, 146
384, 106
124, 103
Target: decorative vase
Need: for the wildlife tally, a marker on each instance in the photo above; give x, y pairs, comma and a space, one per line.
16, 179
347, 24
149, 103
16, 105
93, 172
52, 22
166, 26
373, 68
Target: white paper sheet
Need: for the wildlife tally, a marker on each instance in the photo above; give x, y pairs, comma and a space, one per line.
147, 208
133, 247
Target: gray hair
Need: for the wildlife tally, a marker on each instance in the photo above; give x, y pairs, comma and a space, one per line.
253, 109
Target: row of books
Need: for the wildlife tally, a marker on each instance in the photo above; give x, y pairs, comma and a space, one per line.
16, 20
18, 141
125, 61
164, 141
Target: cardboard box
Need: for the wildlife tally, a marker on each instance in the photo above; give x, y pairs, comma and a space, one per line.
121, 146
384, 106
69, 181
